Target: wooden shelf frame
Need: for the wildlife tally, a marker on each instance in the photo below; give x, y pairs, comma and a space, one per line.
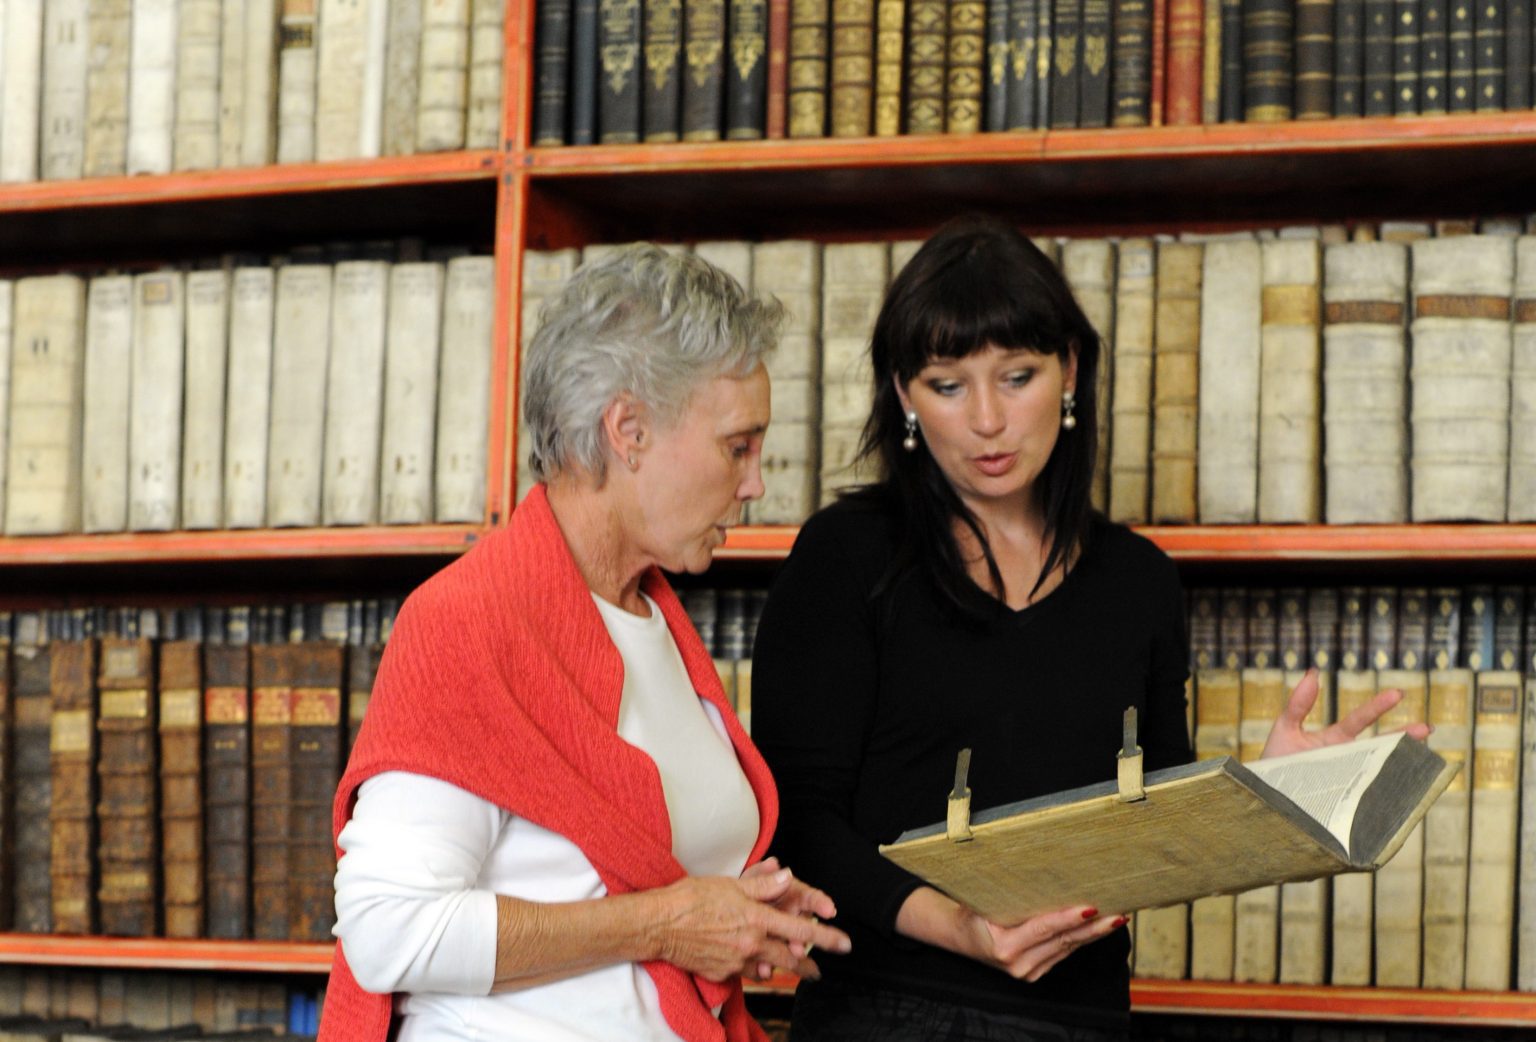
163, 954
258, 544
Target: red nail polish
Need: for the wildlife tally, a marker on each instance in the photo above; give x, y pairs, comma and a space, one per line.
1119, 922
1090, 913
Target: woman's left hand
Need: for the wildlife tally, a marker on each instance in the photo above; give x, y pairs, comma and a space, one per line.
798, 899
1288, 735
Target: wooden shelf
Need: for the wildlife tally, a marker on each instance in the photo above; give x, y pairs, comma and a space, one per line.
161, 954
239, 545
1328, 1003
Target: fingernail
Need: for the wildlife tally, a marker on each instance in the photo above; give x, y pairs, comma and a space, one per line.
1090, 913
782, 875
1119, 922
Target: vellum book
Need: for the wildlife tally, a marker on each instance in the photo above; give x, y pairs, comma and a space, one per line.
1206, 828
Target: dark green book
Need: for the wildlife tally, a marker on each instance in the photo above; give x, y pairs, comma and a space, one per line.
1378, 57
1268, 60
1488, 55
1433, 64
663, 54
1461, 96
1314, 59
1066, 61
704, 69
1348, 58
584, 73
1024, 64
1405, 57
1131, 60
619, 71
1093, 83
1231, 92
746, 70
552, 71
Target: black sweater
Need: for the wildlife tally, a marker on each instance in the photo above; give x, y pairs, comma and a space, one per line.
863, 699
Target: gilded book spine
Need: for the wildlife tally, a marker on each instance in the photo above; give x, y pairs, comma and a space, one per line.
106, 88
354, 394
661, 104
890, 43
72, 812
703, 74
809, 46
181, 787
271, 788
297, 73
315, 759
853, 71
963, 76
927, 46
1176, 383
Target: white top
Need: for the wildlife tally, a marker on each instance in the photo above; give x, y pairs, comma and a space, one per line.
423, 860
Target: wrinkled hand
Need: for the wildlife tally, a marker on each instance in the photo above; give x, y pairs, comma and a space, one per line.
1027, 951
1289, 736
719, 928
799, 899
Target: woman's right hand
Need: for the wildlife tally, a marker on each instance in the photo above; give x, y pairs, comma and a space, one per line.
719, 928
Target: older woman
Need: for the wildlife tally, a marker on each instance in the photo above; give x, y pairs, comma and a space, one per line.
547, 824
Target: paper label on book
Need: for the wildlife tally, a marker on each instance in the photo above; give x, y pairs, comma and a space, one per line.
272, 705
125, 705
1496, 703
122, 662
313, 706
1495, 769
226, 705
180, 708
70, 731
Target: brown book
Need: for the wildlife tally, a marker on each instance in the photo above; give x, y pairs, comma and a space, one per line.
853, 67
227, 777
963, 74
1186, 31
362, 668
778, 68
315, 760
128, 848
271, 788
181, 786
927, 45
72, 812
31, 775
1159, 74
808, 68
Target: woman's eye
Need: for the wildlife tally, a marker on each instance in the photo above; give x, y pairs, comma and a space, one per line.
1020, 378
741, 450
944, 387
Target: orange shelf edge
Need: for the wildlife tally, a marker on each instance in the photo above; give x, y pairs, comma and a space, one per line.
159, 953
236, 545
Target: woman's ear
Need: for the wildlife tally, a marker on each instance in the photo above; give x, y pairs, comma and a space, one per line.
1069, 369
624, 426
901, 394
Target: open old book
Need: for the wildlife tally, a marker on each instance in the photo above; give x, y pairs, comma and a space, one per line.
1213, 827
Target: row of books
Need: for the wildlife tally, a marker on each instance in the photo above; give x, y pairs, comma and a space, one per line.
614, 71
179, 786
727, 623
1349, 375
247, 394
150, 86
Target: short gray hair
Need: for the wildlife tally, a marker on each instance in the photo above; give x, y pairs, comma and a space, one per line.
644, 321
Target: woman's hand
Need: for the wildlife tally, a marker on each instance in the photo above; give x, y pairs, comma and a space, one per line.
719, 928
1289, 736
798, 899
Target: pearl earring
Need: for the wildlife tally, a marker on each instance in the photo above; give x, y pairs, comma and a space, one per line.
910, 441
1068, 402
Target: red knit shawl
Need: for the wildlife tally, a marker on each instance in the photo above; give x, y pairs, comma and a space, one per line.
500, 678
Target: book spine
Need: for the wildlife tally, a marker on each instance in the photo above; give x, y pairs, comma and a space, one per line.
791, 271
809, 46
464, 376
1303, 906
1517, 54
155, 420
202, 461
1525, 924
1413, 628
890, 44
72, 810
1210, 63
995, 91
271, 788
703, 79
1290, 396
1314, 59
410, 391
231, 88
1445, 628
66, 40
341, 52
584, 72
1045, 61
746, 69
1377, 78
1446, 832
853, 280
778, 69
1131, 57
1232, 108
487, 49
354, 394
152, 87
1405, 57
195, 140
963, 75
442, 99
1349, 58
1186, 33
129, 848
296, 82
181, 787
1434, 18
1093, 90
618, 50
31, 899
1460, 75
402, 81
8, 774
106, 88
1400, 882
21, 90
227, 808
1508, 623
1089, 267
1228, 440
47, 402
1522, 386
1488, 55
1495, 824
1477, 628
108, 392
248, 403
258, 131
1176, 382
1381, 627
1130, 440
1268, 36
300, 349
1066, 61
1257, 937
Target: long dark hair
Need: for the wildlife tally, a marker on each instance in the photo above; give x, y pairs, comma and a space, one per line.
976, 283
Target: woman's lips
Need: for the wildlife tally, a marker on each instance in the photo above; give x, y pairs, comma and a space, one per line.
996, 464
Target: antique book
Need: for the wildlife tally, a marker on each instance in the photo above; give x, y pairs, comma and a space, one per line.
852, 69
207, 353
249, 399
1130, 58
618, 92
1268, 68
1405, 57
1491, 873
994, 110
126, 766
1212, 920
662, 51
1176, 383
1290, 383
1444, 646
106, 87
1304, 905
108, 392
300, 348
1232, 628
1023, 75
1400, 884
544, 274
402, 73
1413, 630
155, 418
464, 377
72, 763
1093, 83
1477, 628
1314, 59
31, 908
258, 132
703, 72
315, 758
853, 280
1365, 383
181, 787
1256, 945
1461, 93
1186, 34
1522, 386
1206, 828
890, 44
1460, 383
296, 75
1354, 903
1381, 627
1517, 54
1065, 65
927, 52
777, 89
482, 125
272, 668
584, 83
1525, 924
21, 89
1089, 268
152, 87
1130, 427
1045, 75
964, 61
231, 83
1348, 58
195, 138
47, 392
354, 405
1488, 42
7, 301
1434, 48
1228, 466
65, 44
1377, 27
791, 271
1211, 62
227, 806
1229, 101
362, 668
806, 74
410, 391
349, 79
1447, 831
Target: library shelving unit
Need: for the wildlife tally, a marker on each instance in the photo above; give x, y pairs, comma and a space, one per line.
1083, 182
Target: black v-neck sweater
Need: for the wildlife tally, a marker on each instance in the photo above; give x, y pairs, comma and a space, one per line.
863, 698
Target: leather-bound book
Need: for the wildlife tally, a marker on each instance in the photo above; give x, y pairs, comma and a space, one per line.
809, 45
1093, 86
746, 69
584, 72
72, 812
1400, 883
1413, 628
1446, 832
1517, 54
129, 849
1268, 38
1045, 48
552, 71
1186, 33
315, 759
703, 69
619, 69
1477, 628
853, 67
963, 75
890, 44
1314, 59
1461, 91
778, 68
1176, 383
1488, 43
1434, 48
1131, 58
1231, 102
362, 668
1381, 627
31, 908
227, 788
1494, 844
271, 788
1405, 57
1378, 48
181, 787
1066, 61
661, 98
1348, 58
995, 92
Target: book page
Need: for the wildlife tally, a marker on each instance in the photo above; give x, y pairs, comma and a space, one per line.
1328, 783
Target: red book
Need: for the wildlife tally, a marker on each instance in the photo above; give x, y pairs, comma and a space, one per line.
1186, 29
778, 67
1159, 59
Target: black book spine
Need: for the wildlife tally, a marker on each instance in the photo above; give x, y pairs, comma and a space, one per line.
1381, 628
1433, 15
1413, 628
663, 56
1378, 57
1131, 57
1044, 62
1508, 626
1263, 629
1352, 610
1348, 58
1066, 61
1444, 628
746, 70
1268, 42
1023, 64
1405, 57
1093, 91
1314, 59
584, 72
704, 72
1459, 75
1488, 55
1477, 628
994, 102
552, 71
1231, 61
1517, 54
618, 50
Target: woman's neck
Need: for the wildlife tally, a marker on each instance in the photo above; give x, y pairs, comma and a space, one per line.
591, 520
